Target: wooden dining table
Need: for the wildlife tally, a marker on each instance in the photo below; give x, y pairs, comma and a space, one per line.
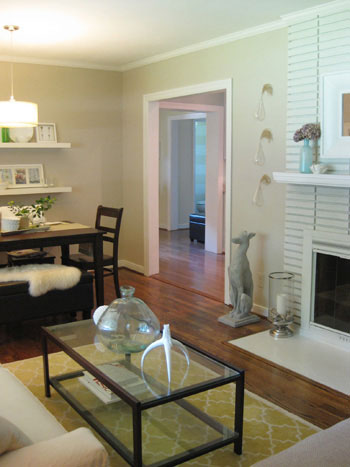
63, 235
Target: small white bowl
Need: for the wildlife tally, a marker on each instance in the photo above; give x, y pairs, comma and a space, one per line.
318, 168
21, 135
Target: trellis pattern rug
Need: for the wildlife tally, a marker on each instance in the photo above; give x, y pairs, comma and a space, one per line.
267, 428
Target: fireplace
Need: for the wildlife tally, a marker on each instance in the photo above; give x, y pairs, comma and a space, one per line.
325, 307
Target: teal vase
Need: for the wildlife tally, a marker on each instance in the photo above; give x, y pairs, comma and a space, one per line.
305, 158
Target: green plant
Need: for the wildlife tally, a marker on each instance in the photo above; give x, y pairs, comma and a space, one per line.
41, 205
36, 210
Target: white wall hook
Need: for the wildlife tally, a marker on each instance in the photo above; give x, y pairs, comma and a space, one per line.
260, 113
258, 199
259, 158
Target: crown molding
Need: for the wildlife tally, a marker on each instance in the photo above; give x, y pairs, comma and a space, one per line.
284, 21
235, 36
39, 61
308, 13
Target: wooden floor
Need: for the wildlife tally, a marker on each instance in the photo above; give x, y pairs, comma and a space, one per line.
187, 264
193, 318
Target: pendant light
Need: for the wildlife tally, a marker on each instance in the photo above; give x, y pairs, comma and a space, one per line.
17, 114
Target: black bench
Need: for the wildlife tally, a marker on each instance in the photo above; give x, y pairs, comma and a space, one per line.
17, 305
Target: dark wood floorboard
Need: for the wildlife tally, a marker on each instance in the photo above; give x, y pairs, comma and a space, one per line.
188, 265
193, 318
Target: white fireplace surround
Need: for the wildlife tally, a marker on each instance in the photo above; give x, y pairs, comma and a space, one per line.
331, 244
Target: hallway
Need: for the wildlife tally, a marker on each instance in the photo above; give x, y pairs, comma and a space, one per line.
187, 265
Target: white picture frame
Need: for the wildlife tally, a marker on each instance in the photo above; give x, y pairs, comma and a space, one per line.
22, 175
334, 144
46, 133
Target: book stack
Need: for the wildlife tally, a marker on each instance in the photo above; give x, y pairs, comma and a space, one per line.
121, 375
27, 253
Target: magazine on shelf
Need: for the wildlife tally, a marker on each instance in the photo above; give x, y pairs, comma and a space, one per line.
124, 377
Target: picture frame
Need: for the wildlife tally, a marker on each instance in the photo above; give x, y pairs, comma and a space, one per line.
46, 133
22, 175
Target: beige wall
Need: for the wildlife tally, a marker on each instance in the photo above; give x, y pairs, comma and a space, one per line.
86, 107
250, 63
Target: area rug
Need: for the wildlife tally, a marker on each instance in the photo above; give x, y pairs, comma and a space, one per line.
267, 428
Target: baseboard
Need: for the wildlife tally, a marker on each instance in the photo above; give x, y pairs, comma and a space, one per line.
164, 226
123, 263
260, 310
183, 226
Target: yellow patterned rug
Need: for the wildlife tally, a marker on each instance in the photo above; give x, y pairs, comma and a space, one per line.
267, 428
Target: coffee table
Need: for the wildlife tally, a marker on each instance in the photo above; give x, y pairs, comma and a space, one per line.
144, 418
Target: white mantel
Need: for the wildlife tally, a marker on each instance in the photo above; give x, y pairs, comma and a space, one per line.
295, 178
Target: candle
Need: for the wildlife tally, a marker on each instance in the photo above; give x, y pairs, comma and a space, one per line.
282, 304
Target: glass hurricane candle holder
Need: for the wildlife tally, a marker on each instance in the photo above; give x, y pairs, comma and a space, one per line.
281, 291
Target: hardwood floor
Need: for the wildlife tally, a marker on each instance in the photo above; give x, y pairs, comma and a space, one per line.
189, 266
193, 318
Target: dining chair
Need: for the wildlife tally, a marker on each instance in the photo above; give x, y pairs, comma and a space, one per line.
84, 258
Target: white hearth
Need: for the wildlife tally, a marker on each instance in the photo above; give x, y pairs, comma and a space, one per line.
320, 362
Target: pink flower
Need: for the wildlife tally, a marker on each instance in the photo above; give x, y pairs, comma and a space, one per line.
308, 131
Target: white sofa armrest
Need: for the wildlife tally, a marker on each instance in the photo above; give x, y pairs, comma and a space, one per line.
78, 448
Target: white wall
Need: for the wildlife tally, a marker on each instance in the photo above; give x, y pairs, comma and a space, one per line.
185, 174
175, 187
250, 63
200, 155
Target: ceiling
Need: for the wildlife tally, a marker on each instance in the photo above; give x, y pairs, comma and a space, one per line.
120, 34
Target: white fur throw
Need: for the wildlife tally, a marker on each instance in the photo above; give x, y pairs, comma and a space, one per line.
42, 277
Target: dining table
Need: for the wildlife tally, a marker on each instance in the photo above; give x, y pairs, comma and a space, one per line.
61, 234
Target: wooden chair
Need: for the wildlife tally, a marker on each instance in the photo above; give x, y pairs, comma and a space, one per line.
84, 259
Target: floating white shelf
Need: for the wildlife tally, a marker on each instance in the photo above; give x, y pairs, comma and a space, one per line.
35, 145
294, 178
34, 191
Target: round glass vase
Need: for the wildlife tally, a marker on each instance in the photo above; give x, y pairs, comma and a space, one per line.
306, 156
127, 325
281, 292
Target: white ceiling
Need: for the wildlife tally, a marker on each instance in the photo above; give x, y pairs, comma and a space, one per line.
113, 34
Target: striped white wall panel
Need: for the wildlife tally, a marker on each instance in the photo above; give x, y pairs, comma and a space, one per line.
315, 46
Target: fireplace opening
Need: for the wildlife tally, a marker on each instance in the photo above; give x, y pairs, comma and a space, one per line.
332, 292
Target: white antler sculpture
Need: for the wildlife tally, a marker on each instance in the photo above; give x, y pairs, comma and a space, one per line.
167, 342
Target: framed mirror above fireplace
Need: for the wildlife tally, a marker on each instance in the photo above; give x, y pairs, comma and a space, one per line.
335, 115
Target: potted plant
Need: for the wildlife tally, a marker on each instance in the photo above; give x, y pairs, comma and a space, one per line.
33, 212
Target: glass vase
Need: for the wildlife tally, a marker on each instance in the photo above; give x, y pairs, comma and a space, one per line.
305, 157
127, 325
281, 291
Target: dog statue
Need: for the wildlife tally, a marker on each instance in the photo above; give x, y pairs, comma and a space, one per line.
240, 277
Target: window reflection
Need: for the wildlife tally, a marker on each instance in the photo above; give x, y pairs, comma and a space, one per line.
346, 115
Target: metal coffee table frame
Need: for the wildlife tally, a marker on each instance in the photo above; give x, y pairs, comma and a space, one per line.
135, 458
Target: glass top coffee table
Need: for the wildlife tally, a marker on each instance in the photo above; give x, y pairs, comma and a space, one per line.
148, 421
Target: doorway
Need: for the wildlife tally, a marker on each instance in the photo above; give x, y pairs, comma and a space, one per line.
217, 118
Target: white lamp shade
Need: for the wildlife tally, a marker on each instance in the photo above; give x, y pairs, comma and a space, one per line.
18, 114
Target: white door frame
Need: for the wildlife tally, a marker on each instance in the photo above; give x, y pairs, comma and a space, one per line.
151, 107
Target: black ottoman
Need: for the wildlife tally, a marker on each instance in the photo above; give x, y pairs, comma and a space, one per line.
197, 227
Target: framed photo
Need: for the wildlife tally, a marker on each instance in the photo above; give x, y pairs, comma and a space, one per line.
46, 133
22, 176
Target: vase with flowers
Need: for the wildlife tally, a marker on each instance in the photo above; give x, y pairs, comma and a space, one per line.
310, 131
